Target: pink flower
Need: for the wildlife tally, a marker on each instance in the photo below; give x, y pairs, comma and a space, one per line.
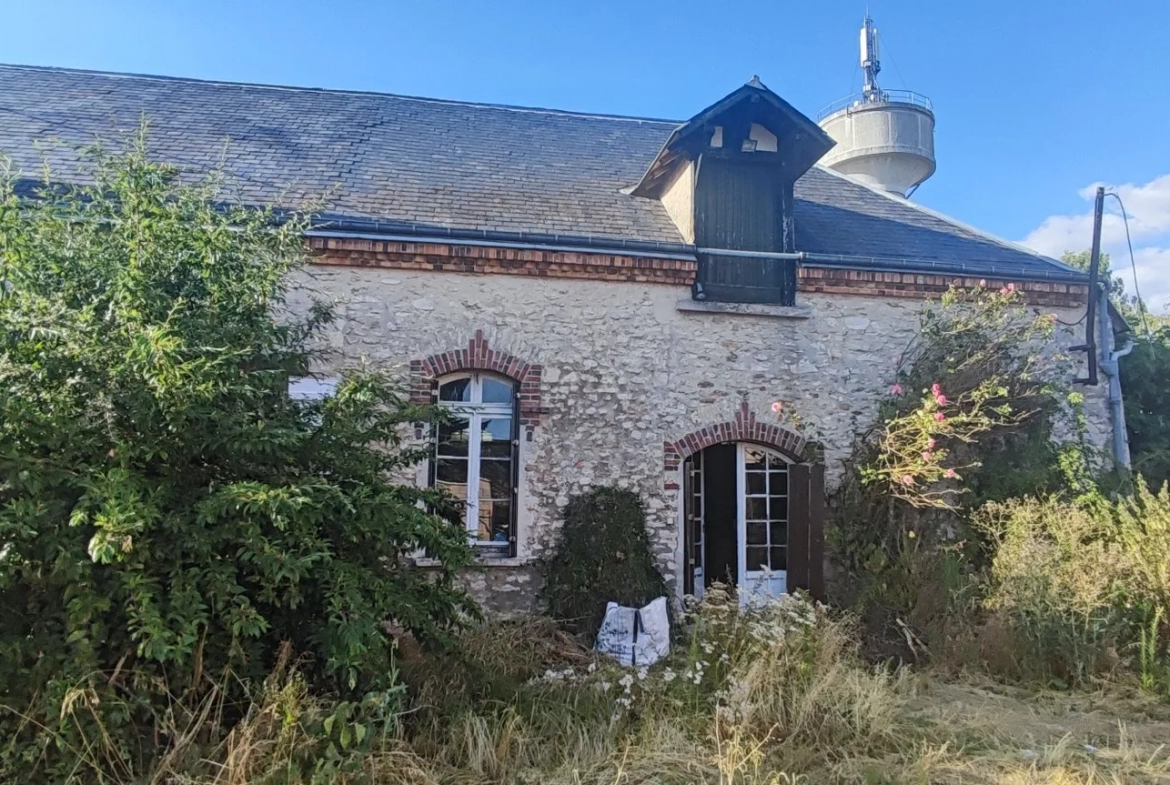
906, 479
950, 474
777, 406
983, 282
1011, 287
1004, 290
927, 455
1052, 318
939, 416
941, 400
896, 389
930, 444
935, 389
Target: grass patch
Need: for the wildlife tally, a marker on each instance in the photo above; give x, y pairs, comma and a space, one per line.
771, 696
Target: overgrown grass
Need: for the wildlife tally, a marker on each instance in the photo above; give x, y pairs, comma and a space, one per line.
768, 696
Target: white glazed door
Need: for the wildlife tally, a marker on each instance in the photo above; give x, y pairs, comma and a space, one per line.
762, 482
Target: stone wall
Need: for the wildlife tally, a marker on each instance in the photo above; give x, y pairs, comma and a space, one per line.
625, 371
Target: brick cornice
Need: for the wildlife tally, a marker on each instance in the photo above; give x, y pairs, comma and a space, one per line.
880, 284
744, 428
479, 356
451, 257
501, 261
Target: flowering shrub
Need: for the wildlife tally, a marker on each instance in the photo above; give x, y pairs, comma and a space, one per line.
978, 368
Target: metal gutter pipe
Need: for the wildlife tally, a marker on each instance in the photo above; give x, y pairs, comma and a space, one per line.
1112, 369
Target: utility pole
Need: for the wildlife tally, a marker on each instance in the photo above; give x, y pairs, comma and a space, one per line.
1090, 346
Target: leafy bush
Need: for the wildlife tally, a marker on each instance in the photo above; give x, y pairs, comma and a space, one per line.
1145, 383
169, 517
1084, 586
603, 555
972, 400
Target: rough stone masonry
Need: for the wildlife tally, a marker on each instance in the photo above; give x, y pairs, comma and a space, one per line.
626, 368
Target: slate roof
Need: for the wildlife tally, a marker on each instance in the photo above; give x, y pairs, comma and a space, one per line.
418, 165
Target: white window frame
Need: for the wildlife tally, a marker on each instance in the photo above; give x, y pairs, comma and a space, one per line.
476, 411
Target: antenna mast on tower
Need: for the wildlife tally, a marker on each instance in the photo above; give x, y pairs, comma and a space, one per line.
885, 138
870, 59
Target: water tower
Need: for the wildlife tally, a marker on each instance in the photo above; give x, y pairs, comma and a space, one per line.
885, 138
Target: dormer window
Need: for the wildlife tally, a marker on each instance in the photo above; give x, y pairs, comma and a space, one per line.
726, 179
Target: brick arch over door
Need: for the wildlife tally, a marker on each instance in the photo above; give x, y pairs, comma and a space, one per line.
479, 356
744, 428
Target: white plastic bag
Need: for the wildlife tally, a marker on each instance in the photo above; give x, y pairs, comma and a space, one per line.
635, 636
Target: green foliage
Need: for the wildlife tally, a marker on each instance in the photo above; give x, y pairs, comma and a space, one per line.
972, 395
1083, 586
973, 375
1082, 259
1145, 376
1145, 384
168, 516
603, 555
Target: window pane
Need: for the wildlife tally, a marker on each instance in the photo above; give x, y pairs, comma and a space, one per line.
779, 483
757, 482
778, 509
495, 479
453, 437
451, 476
757, 533
497, 391
754, 458
495, 522
779, 533
496, 437
779, 558
455, 390
756, 558
757, 509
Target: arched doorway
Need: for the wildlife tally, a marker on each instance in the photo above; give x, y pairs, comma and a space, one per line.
737, 511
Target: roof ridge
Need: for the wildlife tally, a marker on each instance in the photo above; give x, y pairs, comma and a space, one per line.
341, 91
949, 219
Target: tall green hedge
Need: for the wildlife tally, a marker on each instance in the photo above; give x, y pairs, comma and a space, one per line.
603, 554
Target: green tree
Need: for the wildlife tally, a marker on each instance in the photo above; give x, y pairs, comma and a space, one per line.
168, 515
1145, 386
1145, 377
1081, 261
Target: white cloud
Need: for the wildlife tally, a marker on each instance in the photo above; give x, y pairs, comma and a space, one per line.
1148, 206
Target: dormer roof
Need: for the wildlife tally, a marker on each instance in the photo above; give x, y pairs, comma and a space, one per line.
800, 141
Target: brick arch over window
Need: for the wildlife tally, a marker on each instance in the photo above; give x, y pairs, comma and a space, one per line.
479, 356
744, 428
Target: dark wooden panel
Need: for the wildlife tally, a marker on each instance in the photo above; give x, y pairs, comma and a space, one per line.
816, 532
741, 204
689, 514
720, 515
738, 204
798, 511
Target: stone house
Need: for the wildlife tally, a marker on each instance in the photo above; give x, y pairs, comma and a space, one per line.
599, 300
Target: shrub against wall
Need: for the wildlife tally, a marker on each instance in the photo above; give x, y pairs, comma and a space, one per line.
1083, 587
603, 555
168, 516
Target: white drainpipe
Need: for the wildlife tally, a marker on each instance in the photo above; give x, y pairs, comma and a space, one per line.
1111, 368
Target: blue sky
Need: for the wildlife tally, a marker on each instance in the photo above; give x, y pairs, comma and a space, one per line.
1037, 100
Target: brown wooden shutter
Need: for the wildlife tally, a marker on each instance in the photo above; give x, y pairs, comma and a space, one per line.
798, 503
806, 529
816, 532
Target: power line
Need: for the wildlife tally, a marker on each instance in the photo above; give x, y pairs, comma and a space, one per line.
1132, 263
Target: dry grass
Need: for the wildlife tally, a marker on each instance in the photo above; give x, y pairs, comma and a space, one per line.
787, 704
